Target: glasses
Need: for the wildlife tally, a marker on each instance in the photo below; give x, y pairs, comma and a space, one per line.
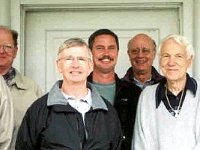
144, 51
70, 59
7, 48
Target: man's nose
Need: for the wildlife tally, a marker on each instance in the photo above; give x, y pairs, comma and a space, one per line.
140, 53
1, 49
75, 62
106, 51
172, 60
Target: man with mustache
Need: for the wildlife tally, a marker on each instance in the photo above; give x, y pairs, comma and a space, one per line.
104, 45
142, 52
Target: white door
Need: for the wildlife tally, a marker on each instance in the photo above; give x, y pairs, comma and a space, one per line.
46, 30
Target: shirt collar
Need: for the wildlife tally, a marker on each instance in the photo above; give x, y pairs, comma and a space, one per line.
155, 76
142, 85
191, 85
86, 98
9, 76
56, 97
14, 77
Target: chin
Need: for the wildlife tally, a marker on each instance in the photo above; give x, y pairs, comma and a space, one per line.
140, 71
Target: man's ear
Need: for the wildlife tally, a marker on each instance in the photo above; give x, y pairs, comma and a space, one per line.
58, 66
15, 52
91, 65
127, 52
189, 60
154, 54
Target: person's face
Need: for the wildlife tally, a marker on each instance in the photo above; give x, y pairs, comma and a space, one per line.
141, 54
7, 49
74, 64
174, 61
105, 53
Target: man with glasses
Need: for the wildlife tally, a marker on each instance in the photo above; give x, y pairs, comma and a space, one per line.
24, 90
72, 116
142, 52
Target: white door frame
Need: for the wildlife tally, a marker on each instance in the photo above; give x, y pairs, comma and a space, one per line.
19, 9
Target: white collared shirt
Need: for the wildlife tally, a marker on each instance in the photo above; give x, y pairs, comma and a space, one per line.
82, 105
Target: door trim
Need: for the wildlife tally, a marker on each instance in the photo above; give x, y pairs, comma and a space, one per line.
19, 9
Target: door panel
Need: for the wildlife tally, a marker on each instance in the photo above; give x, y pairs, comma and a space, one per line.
46, 30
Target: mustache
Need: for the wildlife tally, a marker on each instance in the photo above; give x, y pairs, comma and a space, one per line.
106, 57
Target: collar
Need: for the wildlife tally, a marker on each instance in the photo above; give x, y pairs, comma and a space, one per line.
119, 83
56, 97
190, 85
104, 84
9, 76
155, 76
18, 79
86, 98
143, 85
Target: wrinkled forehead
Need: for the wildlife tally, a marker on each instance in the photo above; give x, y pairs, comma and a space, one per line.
5, 35
142, 42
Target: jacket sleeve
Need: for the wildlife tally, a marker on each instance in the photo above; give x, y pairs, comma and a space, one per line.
26, 138
31, 127
6, 116
38, 90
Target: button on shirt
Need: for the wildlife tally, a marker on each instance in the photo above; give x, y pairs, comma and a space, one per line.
82, 105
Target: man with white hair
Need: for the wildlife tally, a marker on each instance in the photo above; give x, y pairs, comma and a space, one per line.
168, 114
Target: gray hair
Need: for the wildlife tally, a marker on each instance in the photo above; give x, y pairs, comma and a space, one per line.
181, 40
74, 42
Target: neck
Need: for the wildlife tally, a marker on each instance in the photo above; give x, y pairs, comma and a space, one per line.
176, 86
142, 77
71, 89
3, 70
106, 78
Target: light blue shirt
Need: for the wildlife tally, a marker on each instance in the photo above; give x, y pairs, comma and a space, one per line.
142, 85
